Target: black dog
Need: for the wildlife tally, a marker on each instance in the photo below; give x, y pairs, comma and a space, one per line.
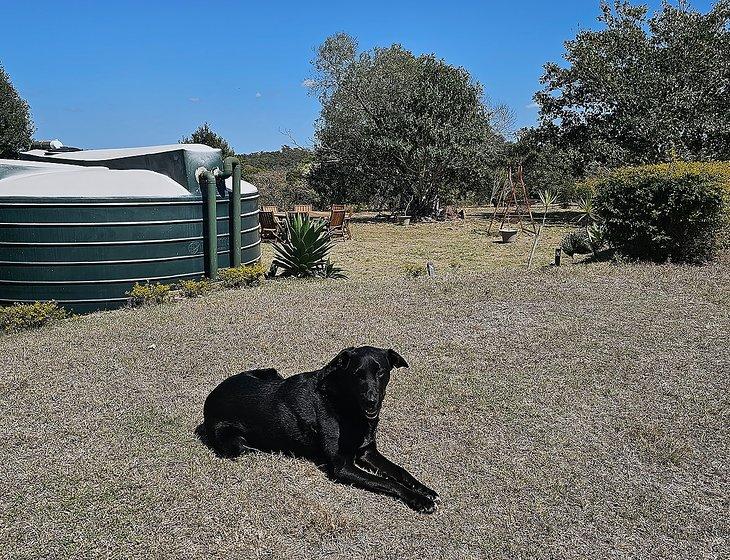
329, 416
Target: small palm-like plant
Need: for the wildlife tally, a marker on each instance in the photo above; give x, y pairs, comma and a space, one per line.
305, 248
547, 199
585, 205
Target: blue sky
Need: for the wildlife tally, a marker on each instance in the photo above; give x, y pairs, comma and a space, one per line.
133, 73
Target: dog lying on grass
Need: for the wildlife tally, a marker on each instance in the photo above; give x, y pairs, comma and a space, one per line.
329, 416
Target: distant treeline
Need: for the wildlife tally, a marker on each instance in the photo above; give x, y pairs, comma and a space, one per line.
285, 159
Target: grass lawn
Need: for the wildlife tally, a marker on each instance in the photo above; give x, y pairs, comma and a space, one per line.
579, 412
381, 249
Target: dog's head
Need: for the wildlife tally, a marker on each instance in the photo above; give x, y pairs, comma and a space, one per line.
362, 374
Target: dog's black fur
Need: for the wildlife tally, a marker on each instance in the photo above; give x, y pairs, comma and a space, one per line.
329, 416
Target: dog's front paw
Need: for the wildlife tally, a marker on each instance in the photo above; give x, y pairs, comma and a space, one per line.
420, 502
426, 491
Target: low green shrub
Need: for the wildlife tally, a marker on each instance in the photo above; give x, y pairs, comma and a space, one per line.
247, 275
195, 288
148, 294
584, 190
676, 211
24, 316
576, 243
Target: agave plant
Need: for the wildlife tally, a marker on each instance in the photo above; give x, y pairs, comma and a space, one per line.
305, 248
329, 270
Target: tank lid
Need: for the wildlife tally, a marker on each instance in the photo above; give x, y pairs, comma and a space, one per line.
115, 153
33, 179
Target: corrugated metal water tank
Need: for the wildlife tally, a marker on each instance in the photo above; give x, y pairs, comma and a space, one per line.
82, 236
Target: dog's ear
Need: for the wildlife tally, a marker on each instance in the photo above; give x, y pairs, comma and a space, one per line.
327, 380
396, 360
343, 359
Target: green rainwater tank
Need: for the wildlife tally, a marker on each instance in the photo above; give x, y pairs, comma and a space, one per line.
82, 236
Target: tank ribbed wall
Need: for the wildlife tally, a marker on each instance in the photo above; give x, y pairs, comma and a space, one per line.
87, 253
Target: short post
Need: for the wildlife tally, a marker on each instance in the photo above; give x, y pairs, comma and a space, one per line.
234, 212
431, 269
557, 256
210, 223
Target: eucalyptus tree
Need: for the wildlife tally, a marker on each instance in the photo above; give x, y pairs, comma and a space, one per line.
408, 130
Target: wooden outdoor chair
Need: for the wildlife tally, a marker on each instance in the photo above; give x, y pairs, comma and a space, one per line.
303, 208
273, 209
337, 226
269, 225
291, 214
348, 216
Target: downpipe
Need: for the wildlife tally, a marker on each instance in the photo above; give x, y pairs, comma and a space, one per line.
232, 167
207, 182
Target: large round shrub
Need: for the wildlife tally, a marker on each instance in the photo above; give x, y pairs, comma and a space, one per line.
674, 211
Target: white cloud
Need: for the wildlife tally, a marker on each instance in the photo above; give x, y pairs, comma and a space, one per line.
532, 105
308, 83
194, 99
258, 94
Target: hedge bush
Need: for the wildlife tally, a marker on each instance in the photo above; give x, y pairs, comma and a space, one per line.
675, 211
23, 316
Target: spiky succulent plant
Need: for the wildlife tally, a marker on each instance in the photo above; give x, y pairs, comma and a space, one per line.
305, 248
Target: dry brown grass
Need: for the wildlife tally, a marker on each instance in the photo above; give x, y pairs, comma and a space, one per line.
584, 414
384, 249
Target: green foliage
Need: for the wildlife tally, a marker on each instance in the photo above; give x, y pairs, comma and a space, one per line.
398, 128
286, 159
583, 190
148, 294
305, 250
661, 212
16, 127
241, 276
544, 165
283, 189
204, 135
643, 89
24, 316
196, 288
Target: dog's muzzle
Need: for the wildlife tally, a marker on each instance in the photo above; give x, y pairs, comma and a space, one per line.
372, 414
